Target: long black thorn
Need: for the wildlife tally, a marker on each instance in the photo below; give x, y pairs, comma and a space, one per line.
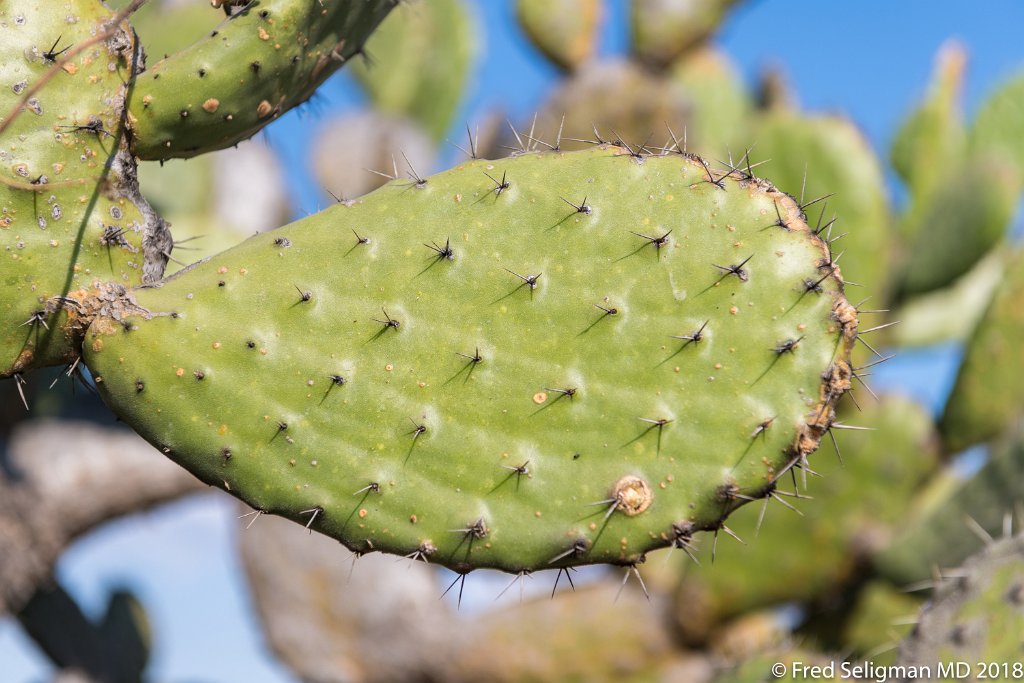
816, 200
474, 359
827, 226
499, 187
675, 141
694, 337
736, 270
763, 427
519, 470
359, 238
530, 280
303, 296
717, 182
472, 145
815, 286
788, 345
658, 242
460, 578
420, 182
418, 429
568, 578
444, 252
340, 199
95, 127
871, 348
50, 55
835, 444
477, 529
579, 548
388, 320
569, 392
583, 207
853, 398
607, 311
637, 153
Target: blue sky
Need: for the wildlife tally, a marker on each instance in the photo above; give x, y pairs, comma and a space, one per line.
869, 59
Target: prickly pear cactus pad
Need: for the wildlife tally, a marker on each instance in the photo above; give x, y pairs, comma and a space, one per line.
255, 66
70, 211
549, 360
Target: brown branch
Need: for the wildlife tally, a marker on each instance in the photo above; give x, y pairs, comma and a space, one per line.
61, 479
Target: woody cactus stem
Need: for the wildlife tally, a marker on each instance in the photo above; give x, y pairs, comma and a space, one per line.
550, 360
255, 66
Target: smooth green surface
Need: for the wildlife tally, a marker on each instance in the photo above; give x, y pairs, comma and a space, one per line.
662, 30
932, 138
988, 395
251, 69
999, 125
967, 215
720, 107
51, 238
245, 354
566, 32
943, 533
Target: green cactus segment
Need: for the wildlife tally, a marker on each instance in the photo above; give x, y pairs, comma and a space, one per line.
550, 360
420, 62
976, 617
615, 99
964, 218
925, 319
720, 107
998, 128
933, 137
813, 156
244, 74
70, 212
566, 32
167, 27
665, 29
988, 395
882, 617
847, 517
945, 530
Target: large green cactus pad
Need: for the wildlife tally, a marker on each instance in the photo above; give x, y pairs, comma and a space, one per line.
976, 616
70, 210
988, 395
479, 368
